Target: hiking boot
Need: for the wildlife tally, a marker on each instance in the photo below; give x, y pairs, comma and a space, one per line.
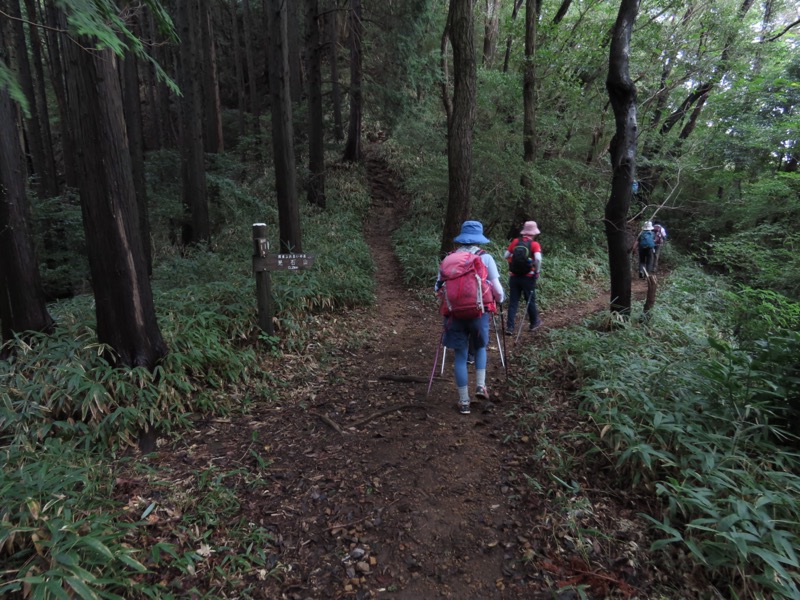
510, 331
470, 359
463, 408
482, 392
535, 325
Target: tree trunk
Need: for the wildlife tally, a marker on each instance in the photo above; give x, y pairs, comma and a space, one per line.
50, 184
352, 150
133, 121
251, 65
237, 59
522, 209
459, 129
490, 31
212, 106
57, 22
151, 87
33, 129
622, 95
293, 45
282, 128
196, 226
126, 318
562, 11
22, 304
514, 12
316, 148
332, 21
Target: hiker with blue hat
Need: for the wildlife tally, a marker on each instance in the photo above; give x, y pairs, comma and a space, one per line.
469, 289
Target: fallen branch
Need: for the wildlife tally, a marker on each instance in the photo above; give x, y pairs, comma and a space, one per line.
411, 378
328, 421
385, 411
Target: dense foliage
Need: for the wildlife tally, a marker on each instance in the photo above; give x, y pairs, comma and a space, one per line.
695, 405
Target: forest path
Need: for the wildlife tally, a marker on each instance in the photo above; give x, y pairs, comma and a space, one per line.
372, 488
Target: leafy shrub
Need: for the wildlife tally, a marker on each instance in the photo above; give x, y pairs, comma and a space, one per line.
686, 413
60, 534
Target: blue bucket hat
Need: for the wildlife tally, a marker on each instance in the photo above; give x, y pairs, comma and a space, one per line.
471, 233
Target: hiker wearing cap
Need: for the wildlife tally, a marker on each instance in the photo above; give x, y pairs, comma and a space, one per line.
645, 245
524, 256
466, 321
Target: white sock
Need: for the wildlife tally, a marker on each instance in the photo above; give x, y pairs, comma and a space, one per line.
480, 377
463, 395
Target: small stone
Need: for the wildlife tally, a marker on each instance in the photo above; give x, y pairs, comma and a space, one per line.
373, 561
357, 553
362, 566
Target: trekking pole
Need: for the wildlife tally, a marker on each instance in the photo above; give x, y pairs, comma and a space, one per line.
497, 335
522, 321
435, 360
444, 355
504, 351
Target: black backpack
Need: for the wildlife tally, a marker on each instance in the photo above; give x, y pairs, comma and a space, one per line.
521, 258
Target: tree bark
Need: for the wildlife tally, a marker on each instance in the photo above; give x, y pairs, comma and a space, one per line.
293, 45
316, 148
622, 95
132, 107
237, 59
22, 303
212, 106
459, 130
490, 31
353, 150
522, 209
282, 128
33, 128
126, 318
56, 22
332, 21
251, 68
514, 12
50, 172
196, 226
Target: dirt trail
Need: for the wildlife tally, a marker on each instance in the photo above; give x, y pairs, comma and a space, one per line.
378, 490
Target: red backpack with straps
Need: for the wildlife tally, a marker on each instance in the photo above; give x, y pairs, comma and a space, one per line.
465, 292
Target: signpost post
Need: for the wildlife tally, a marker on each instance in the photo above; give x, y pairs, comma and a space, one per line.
263, 263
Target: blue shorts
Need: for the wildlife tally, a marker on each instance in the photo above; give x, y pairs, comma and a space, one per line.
471, 334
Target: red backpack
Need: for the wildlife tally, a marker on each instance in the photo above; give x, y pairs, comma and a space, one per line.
465, 292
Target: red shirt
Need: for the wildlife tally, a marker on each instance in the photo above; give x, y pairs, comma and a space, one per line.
535, 247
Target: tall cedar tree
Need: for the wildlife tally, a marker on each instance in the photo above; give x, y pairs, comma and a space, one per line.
522, 210
282, 128
316, 149
132, 105
622, 95
43, 110
212, 104
332, 21
459, 127
196, 225
22, 304
126, 318
352, 150
34, 139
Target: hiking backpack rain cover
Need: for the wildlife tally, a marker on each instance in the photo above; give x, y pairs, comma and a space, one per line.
521, 263
465, 291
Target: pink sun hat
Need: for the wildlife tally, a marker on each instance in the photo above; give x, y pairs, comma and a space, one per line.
530, 228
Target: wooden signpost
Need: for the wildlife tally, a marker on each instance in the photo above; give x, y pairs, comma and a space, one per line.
263, 263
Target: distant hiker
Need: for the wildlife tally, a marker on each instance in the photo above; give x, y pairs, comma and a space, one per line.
645, 245
469, 288
659, 238
524, 256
